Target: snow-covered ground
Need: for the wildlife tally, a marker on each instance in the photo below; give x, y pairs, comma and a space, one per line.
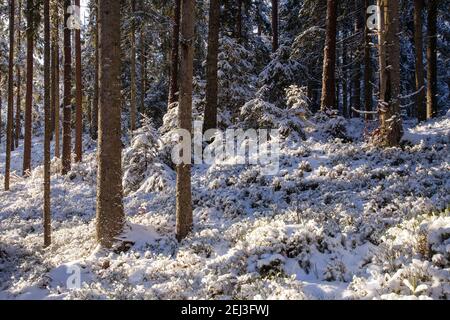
339, 221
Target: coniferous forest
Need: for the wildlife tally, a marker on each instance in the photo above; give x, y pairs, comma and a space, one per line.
224, 149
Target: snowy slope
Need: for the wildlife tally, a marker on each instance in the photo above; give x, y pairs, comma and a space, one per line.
339, 221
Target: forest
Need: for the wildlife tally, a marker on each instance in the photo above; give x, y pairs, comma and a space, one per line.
224, 150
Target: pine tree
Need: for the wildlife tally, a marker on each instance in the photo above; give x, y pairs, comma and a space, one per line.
274, 25
95, 100
173, 87
329, 60
17, 132
47, 108
55, 94
368, 92
67, 99
10, 113
133, 68
78, 95
110, 212
419, 71
184, 193
432, 60
29, 91
389, 57
212, 66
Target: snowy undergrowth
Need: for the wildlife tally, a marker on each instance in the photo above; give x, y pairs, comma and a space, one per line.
339, 220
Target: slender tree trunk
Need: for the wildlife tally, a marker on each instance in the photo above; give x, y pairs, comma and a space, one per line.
389, 44
56, 91
274, 25
47, 218
421, 112
29, 92
110, 212
356, 96
142, 66
432, 107
345, 78
78, 96
368, 92
10, 114
18, 130
184, 193
329, 61
94, 117
133, 68
212, 67
173, 89
67, 99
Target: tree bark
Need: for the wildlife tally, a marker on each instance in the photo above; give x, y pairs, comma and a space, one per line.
110, 212
173, 89
67, 99
29, 92
94, 116
18, 130
420, 78
212, 66
368, 92
78, 96
391, 129
356, 79
184, 193
133, 68
47, 108
432, 107
274, 25
329, 62
10, 114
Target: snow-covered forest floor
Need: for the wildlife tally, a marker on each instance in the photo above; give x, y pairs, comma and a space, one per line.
339, 221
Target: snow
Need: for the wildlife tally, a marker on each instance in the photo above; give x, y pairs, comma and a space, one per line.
340, 220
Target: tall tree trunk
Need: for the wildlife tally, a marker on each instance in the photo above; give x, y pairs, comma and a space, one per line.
432, 107
329, 61
110, 212
78, 96
94, 116
274, 25
356, 79
212, 66
173, 88
29, 92
184, 192
10, 115
67, 99
368, 92
389, 46
48, 128
56, 91
18, 130
133, 68
345, 78
421, 111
